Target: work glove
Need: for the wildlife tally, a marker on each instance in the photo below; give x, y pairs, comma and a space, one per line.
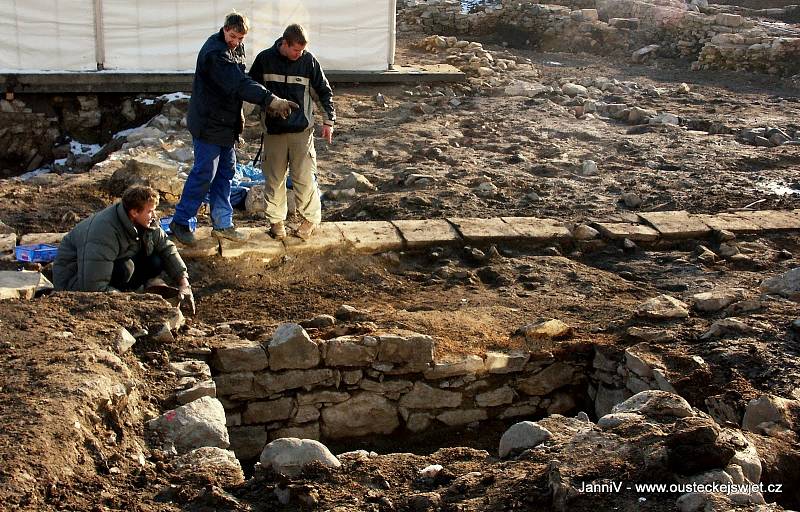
187, 297
280, 107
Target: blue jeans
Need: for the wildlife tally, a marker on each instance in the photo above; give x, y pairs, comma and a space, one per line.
211, 174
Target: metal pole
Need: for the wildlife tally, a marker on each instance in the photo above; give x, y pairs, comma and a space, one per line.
99, 39
392, 32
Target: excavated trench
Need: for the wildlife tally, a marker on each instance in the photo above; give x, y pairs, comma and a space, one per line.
451, 345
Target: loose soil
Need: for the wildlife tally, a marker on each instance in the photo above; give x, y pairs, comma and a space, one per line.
67, 446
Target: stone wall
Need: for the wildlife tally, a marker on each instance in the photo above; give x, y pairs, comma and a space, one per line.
444, 17
27, 138
367, 385
718, 40
751, 51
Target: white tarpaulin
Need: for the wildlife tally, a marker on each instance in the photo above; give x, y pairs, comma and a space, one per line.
47, 35
165, 36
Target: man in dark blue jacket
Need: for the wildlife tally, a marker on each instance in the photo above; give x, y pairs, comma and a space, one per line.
215, 121
291, 71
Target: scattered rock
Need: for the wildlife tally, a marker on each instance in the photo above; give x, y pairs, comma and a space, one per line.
717, 300
584, 232
589, 168
663, 307
726, 326
642, 54
350, 314
553, 329
150, 171
355, 181
631, 200
786, 284
521, 436
289, 455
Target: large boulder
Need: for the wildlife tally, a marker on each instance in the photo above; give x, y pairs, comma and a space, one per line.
765, 413
522, 435
194, 425
288, 455
655, 403
150, 171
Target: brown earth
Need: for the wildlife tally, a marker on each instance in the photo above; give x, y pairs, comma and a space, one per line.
67, 446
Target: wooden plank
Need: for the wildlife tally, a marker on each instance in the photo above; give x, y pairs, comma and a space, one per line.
676, 224
629, 230
424, 233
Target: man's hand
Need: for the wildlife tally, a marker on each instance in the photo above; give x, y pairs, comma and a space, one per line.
327, 133
186, 295
280, 107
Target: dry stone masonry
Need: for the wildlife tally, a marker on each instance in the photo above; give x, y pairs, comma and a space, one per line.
355, 386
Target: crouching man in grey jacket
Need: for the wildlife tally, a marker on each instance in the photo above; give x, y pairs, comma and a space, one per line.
120, 248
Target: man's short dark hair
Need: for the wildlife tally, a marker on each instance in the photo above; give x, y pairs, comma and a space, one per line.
295, 34
137, 197
237, 22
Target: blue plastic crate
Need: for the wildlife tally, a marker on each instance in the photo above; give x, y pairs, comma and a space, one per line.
37, 253
164, 221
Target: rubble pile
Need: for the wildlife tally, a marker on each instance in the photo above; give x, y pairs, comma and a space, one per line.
555, 27
770, 136
471, 57
668, 28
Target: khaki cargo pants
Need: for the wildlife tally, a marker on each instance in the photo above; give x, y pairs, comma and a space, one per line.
295, 150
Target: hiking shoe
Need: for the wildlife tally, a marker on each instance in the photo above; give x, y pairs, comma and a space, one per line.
277, 230
305, 229
182, 233
230, 233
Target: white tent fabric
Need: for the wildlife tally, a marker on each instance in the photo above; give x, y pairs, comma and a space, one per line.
165, 35
47, 35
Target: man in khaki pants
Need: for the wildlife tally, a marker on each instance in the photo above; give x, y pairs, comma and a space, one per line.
291, 72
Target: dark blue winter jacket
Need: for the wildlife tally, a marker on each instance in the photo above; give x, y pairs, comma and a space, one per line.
219, 87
